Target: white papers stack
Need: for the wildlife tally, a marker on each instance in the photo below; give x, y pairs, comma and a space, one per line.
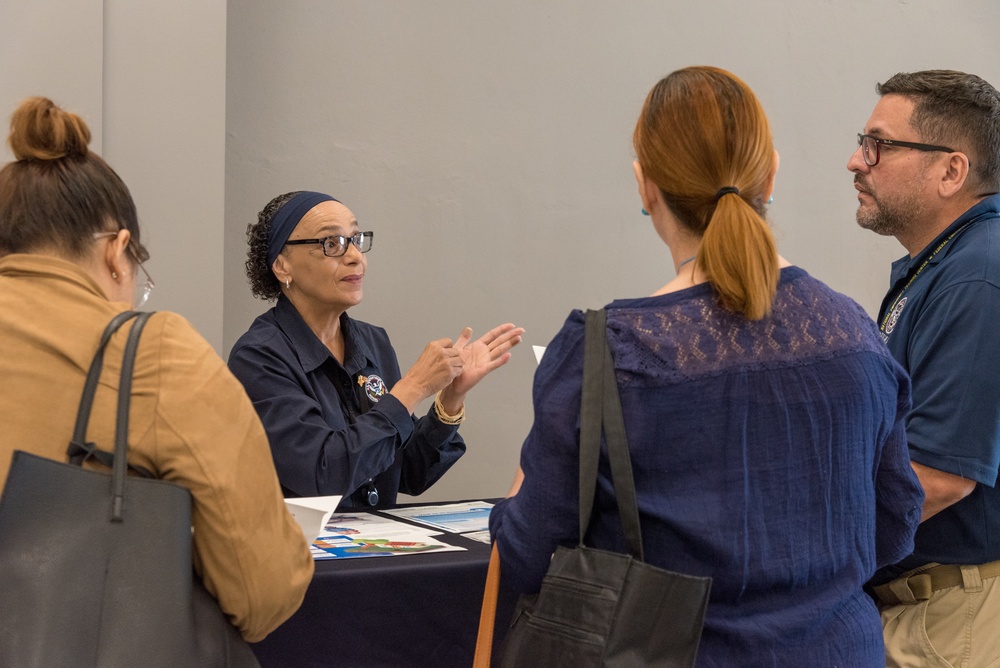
312, 513
470, 518
453, 517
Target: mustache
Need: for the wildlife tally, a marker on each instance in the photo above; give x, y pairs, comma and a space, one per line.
859, 181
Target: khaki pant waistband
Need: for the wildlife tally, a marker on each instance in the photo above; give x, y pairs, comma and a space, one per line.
920, 583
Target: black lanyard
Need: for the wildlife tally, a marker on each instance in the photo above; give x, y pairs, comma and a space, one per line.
899, 295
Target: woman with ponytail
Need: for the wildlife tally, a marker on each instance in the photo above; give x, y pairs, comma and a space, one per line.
765, 418
70, 261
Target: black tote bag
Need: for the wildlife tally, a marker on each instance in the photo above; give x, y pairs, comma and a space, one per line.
95, 568
599, 608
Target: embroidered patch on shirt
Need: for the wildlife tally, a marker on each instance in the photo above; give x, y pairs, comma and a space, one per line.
894, 316
374, 387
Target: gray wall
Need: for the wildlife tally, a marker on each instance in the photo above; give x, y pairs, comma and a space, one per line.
31, 65
150, 80
489, 146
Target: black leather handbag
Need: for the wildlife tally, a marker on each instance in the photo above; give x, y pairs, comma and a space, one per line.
95, 568
599, 608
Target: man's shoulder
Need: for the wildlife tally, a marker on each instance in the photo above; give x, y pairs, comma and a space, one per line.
976, 255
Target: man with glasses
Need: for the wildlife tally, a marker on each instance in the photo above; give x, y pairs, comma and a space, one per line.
927, 171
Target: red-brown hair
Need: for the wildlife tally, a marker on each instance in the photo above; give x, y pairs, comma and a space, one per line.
702, 129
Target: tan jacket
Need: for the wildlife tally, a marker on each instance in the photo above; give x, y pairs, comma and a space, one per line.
191, 423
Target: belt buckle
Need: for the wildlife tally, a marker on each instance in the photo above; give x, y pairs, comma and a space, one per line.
912, 589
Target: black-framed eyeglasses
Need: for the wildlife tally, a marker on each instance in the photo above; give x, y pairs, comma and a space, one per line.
336, 245
870, 147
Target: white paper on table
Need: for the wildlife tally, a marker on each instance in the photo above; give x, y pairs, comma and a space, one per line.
452, 517
363, 524
539, 350
312, 512
342, 547
481, 536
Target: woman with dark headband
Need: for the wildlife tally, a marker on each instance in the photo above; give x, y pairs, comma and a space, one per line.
765, 419
328, 388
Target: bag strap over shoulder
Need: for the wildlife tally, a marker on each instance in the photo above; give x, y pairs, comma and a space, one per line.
601, 410
79, 449
591, 413
120, 467
90, 387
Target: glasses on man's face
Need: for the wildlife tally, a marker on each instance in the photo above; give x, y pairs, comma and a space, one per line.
142, 290
870, 147
336, 245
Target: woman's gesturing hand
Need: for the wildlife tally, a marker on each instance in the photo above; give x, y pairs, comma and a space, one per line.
480, 357
456, 367
438, 364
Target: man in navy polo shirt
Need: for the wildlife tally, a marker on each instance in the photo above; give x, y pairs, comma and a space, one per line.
927, 171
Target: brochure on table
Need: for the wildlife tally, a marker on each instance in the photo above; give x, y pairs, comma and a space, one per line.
465, 517
481, 536
353, 535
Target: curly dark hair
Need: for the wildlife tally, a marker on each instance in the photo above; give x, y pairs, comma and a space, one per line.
263, 283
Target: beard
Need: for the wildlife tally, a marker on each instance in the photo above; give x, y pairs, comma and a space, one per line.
887, 215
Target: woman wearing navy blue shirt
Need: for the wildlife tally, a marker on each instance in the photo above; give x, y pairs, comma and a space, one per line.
765, 419
337, 410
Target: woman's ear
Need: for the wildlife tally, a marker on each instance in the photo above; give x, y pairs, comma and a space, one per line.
646, 187
281, 269
117, 258
769, 185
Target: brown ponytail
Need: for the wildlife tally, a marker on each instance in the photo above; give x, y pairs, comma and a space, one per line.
701, 130
739, 258
57, 193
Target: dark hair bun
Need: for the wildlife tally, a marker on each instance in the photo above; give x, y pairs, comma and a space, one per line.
39, 130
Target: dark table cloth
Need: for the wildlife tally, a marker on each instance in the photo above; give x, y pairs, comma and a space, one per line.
402, 611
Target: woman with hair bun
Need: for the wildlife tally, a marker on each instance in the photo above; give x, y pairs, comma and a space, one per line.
764, 416
70, 260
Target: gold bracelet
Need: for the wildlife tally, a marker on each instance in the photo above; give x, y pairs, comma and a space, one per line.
458, 418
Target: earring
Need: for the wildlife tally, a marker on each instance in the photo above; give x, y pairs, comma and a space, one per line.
771, 200
114, 275
645, 213
288, 284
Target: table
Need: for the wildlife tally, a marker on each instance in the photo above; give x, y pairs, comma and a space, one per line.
390, 612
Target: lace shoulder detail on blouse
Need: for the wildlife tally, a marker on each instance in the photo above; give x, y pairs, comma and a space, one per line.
693, 338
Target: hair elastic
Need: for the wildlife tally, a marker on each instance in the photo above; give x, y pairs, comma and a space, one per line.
726, 191
287, 217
